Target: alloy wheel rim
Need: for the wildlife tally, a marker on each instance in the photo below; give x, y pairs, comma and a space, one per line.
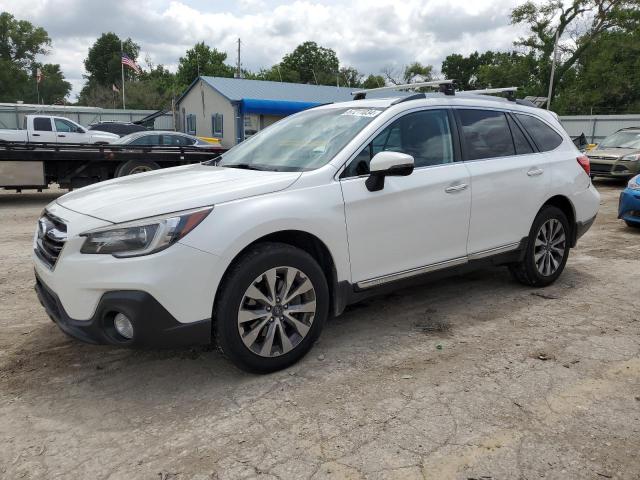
276, 311
549, 248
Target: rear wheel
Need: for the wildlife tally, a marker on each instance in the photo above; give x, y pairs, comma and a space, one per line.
132, 167
547, 249
271, 308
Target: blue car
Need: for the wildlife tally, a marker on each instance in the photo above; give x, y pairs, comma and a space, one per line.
629, 206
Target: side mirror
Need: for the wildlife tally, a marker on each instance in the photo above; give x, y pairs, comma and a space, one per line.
385, 164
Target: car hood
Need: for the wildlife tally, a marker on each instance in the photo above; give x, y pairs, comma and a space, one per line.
611, 153
172, 190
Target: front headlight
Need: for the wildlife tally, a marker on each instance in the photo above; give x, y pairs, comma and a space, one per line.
143, 237
633, 183
634, 157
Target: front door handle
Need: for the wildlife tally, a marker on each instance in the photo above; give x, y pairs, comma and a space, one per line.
62, 135
456, 188
535, 171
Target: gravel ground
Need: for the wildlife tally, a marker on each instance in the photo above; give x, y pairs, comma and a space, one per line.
468, 378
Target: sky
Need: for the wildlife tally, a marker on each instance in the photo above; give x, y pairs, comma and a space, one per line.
367, 34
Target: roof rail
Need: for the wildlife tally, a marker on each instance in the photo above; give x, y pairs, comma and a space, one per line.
445, 86
510, 91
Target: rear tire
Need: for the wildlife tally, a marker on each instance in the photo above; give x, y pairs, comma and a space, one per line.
132, 167
271, 308
547, 249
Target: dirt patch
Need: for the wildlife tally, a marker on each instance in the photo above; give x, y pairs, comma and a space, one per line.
469, 377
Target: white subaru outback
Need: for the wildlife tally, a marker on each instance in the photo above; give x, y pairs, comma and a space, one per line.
255, 249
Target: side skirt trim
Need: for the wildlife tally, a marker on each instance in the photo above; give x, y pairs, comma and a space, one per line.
374, 282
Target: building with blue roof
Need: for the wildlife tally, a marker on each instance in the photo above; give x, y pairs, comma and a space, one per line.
233, 109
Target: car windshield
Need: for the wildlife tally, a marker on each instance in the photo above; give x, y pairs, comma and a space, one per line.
305, 141
624, 139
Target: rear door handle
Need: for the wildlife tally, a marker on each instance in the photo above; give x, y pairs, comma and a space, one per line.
456, 188
535, 171
62, 135
35, 134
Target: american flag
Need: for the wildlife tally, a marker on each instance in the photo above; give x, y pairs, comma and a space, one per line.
130, 63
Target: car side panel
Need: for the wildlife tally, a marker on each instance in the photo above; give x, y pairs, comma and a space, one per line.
314, 209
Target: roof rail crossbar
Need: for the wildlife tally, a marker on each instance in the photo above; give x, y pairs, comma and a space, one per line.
445, 86
416, 96
510, 91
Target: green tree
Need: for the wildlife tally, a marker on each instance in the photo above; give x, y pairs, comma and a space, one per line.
20, 41
309, 63
465, 69
53, 88
589, 18
349, 77
606, 78
512, 69
416, 72
373, 81
202, 60
103, 62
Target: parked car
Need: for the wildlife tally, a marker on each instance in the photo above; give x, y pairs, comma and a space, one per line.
324, 208
51, 129
618, 155
165, 138
119, 128
629, 205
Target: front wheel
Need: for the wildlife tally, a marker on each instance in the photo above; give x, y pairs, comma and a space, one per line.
131, 167
547, 249
271, 308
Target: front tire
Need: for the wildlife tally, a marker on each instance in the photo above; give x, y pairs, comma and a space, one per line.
271, 308
131, 167
547, 249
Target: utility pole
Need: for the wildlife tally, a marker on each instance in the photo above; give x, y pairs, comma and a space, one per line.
238, 67
553, 69
122, 71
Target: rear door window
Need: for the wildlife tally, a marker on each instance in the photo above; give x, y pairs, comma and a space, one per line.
545, 137
485, 134
41, 124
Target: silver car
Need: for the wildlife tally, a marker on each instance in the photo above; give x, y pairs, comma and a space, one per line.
163, 138
618, 155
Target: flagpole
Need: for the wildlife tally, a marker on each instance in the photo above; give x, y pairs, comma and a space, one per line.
122, 71
37, 88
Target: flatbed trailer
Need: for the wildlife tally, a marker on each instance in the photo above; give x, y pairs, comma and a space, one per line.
37, 165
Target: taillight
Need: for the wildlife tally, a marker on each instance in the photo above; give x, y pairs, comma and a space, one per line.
583, 160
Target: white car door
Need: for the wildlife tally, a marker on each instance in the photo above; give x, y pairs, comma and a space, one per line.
69, 132
42, 130
509, 180
418, 222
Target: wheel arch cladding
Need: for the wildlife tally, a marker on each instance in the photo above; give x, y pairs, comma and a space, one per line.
564, 204
310, 244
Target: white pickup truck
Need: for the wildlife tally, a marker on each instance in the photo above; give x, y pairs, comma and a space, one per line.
51, 129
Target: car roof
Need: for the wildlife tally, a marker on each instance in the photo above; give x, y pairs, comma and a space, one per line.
460, 99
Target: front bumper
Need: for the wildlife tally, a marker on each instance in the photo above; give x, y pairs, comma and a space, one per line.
153, 325
616, 169
629, 206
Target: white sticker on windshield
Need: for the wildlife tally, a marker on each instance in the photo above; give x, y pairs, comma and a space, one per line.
362, 112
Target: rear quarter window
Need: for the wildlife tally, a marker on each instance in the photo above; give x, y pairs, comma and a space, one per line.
545, 137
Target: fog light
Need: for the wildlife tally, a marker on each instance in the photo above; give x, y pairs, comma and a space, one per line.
123, 326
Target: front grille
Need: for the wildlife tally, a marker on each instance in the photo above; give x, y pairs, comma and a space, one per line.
600, 168
51, 237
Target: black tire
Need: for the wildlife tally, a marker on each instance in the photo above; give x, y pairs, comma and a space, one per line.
526, 271
131, 167
237, 280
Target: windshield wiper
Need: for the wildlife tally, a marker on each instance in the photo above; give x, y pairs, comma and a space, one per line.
243, 166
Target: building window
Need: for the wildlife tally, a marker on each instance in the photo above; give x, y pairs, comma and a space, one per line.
217, 125
191, 124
